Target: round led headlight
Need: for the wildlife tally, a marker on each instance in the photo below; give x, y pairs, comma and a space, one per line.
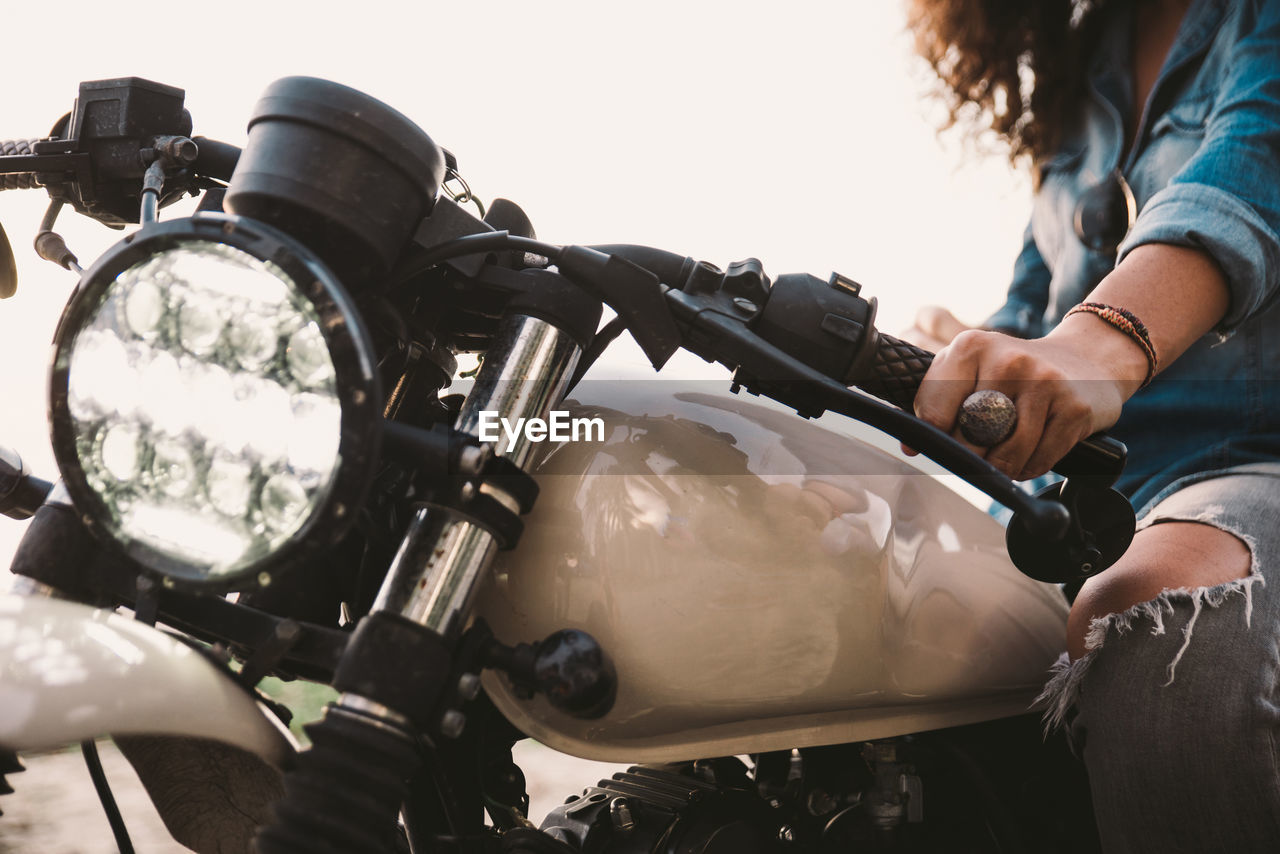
214, 401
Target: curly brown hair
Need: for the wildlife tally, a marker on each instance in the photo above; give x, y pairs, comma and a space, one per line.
1012, 66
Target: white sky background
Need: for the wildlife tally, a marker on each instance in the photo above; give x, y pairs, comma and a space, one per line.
794, 132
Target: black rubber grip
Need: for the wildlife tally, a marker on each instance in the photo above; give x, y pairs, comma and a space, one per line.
896, 373
17, 180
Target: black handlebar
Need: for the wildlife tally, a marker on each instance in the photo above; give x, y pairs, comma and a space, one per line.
216, 159
21, 493
17, 180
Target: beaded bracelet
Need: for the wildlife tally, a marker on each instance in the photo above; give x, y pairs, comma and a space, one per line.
1128, 323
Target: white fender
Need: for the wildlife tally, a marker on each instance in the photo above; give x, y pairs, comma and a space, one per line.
69, 672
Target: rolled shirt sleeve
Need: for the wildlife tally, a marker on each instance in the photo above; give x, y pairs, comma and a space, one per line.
1226, 199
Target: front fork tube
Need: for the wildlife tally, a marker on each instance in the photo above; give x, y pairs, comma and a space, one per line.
443, 558
396, 671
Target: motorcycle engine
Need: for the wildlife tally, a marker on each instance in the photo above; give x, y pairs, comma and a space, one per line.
991, 787
706, 807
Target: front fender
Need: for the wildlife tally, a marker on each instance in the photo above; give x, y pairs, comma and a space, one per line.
69, 672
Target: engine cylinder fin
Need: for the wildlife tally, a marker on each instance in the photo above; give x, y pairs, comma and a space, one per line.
651, 808
657, 786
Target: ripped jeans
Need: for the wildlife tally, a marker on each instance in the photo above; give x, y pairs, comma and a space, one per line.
1175, 707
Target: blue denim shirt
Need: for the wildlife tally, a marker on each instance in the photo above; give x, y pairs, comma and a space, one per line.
1205, 173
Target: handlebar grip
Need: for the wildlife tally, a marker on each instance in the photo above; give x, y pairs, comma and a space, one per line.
899, 367
896, 371
17, 180
895, 376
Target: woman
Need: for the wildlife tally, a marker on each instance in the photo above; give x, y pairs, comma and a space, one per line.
1143, 302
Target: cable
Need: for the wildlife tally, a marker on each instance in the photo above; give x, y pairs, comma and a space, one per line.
471, 244
94, 762
50, 216
148, 207
606, 336
152, 185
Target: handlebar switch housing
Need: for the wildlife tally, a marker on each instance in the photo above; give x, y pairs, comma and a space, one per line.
113, 122
827, 325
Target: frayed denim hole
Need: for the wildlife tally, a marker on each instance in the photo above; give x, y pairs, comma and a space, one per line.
1066, 676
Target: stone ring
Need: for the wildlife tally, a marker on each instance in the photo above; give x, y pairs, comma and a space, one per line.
987, 417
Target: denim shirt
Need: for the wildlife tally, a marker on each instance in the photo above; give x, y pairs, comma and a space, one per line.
1205, 173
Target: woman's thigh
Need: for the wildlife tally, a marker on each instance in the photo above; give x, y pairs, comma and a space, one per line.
1167, 556
1174, 702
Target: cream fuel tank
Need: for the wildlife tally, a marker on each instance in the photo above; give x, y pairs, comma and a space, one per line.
762, 582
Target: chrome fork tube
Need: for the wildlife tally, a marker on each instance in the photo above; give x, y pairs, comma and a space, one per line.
442, 558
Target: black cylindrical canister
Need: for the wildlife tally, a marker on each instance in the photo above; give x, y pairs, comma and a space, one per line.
343, 172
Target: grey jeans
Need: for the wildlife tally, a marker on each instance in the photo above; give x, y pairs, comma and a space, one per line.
1176, 705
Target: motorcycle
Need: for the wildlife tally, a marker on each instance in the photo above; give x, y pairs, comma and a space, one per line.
265, 469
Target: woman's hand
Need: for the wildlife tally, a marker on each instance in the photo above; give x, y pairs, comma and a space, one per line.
1065, 386
1072, 382
934, 328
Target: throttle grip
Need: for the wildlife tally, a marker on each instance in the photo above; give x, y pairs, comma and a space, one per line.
895, 376
17, 180
897, 371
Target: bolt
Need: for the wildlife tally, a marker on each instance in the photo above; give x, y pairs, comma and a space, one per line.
179, 149
745, 304
786, 835
620, 814
452, 723
471, 459
820, 803
469, 686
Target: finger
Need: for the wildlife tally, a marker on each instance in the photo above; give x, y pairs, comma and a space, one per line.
977, 450
939, 323
1033, 403
950, 379
920, 338
1062, 430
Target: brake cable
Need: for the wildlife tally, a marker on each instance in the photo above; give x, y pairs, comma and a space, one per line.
103, 788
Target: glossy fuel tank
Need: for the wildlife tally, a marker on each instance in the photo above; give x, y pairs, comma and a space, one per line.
762, 582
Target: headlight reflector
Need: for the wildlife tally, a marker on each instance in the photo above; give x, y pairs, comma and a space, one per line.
213, 400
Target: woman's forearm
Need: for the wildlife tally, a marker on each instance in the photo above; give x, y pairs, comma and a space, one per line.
1177, 292
1074, 381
